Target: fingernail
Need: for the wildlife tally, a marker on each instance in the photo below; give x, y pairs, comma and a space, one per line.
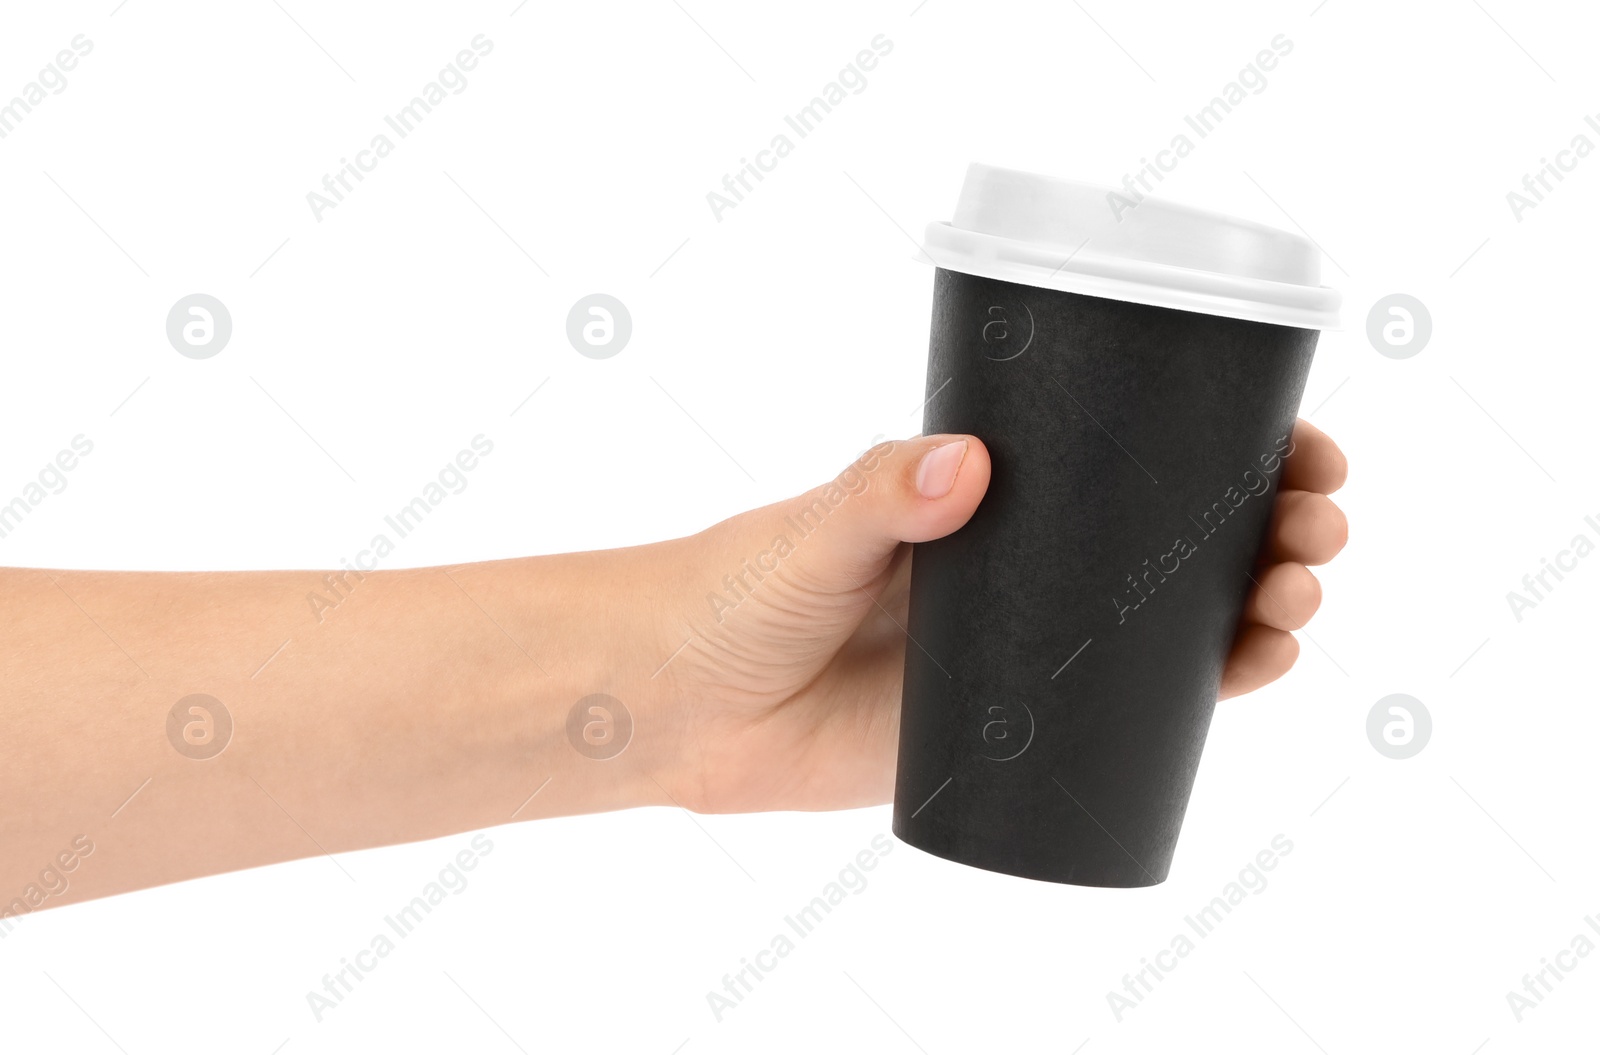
937, 473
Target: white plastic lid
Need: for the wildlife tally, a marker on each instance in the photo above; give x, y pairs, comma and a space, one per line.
1061, 234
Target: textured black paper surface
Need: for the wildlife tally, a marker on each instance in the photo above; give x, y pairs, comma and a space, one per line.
1066, 646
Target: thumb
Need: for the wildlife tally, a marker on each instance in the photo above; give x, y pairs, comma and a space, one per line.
808, 570
847, 530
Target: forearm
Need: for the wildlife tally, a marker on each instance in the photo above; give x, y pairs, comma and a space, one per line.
424, 702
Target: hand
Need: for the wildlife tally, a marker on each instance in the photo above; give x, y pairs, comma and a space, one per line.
788, 693
435, 701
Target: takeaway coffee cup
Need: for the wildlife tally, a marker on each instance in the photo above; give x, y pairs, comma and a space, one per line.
1134, 368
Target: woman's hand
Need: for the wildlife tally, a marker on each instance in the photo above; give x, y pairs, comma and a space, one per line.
787, 692
432, 701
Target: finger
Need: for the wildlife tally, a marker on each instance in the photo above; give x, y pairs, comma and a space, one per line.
1315, 462
1260, 655
840, 535
1285, 597
1307, 528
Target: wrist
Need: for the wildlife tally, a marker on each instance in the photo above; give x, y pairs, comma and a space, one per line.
591, 725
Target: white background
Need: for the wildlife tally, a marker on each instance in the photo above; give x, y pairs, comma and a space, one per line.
413, 316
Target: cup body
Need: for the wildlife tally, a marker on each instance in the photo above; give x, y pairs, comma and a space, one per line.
1065, 647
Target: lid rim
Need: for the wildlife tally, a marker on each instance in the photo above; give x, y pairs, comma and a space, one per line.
1138, 264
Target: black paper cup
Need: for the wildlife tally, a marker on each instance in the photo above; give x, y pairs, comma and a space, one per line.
1066, 646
